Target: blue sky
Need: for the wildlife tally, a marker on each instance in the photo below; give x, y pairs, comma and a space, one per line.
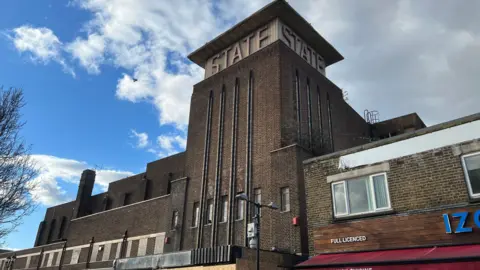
76, 61
77, 118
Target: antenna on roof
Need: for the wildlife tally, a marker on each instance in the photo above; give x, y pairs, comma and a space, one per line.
371, 117
98, 168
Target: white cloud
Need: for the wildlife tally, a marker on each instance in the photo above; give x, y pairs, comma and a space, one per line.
105, 177
53, 169
167, 145
42, 45
170, 144
141, 138
418, 60
151, 39
47, 191
400, 56
88, 52
403, 56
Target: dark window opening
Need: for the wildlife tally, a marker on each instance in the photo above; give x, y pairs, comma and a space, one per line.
50, 231
297, 97
105, 202
320, 116
61, 232
108, 204
148, 189
309, 101
330, 122
169, 186
128, 199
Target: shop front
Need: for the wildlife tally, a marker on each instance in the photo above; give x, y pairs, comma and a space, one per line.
442, 239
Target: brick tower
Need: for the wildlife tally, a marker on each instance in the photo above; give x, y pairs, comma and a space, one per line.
264, 106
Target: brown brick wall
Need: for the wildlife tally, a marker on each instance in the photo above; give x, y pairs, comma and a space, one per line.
55, 213
265, 122
424, 181
159, 172
349, 128
286, 172
132, 185
147, 217
397, 231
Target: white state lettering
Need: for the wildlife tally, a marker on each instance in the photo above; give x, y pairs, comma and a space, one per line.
262, 38
286, 34
313, 59
320, 63
215, 67
225, 53
298, 48
259, 39
247, 40
305, 54
237, 53
302, 49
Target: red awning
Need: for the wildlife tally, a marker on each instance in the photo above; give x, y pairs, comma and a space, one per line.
453, 257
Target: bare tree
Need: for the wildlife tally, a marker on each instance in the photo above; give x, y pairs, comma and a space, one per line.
17, 169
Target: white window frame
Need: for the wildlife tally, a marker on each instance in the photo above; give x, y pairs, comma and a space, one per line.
467, 177
259, 190
372, 191
282, 202
242, 203
196, 214
223, 209
209, 212
175, 216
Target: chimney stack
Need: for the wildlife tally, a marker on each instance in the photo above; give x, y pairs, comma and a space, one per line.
84, 193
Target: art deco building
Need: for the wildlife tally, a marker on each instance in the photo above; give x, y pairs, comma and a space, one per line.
264, 106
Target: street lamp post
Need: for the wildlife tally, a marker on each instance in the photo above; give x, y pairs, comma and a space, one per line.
256, 220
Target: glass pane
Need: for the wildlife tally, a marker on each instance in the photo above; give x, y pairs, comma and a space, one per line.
339, 199
209, 215
473, 168
239, 209
359, 196
196, 214
258, 195
285, 199
380, 187
224, 209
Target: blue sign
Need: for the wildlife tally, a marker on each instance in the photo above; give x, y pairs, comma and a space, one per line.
461, 223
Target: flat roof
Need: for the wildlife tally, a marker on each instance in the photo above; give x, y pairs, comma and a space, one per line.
277, 9
399, 138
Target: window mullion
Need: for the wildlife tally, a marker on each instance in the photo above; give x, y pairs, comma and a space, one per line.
372, 191
465, 171
387, 191
345, 190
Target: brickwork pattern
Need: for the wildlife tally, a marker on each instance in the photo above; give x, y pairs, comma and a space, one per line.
147, 217
426, 180
264, 123
349, 128
398, 231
